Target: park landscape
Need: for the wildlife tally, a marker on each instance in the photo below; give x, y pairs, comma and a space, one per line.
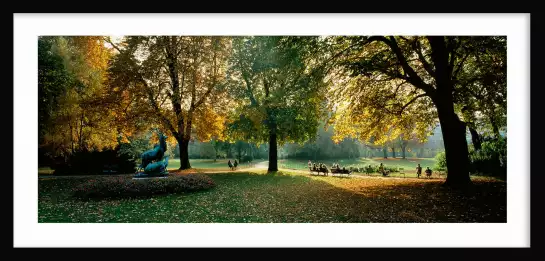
147, 129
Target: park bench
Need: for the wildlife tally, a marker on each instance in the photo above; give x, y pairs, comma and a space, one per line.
340, 172
319, 170
428, 174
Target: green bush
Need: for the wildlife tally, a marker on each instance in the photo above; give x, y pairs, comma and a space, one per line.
391, 169
123, 187
491, 159
440, 162
373, 169
247, 158
111, 161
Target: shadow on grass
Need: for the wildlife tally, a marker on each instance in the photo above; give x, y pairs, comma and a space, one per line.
342, 199
284, 198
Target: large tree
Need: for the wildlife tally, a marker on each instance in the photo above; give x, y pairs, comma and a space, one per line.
53, 81
431, 66
177, 81
72, 71
278, 90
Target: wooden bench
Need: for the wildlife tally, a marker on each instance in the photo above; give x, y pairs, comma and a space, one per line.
340, 172
318, 171
428, 174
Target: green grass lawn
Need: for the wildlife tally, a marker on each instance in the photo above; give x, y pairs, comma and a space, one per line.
220, 164
408, 164
285, 197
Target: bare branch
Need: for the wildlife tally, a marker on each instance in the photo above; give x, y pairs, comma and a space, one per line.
214, 77
413, 77
460, 65
422, 58
411, 101
156, 107
398, 86
109, 40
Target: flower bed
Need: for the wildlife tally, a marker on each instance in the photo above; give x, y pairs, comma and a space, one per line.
123, 187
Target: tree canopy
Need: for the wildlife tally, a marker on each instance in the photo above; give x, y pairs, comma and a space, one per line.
278, 92
174, 82
384, 92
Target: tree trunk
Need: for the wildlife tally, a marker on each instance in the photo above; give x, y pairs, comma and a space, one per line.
394, 152
454, 131
385, 152
475, 138
403, 148
273, 150
239, 152
229, 151
495, 128
215, 153
184, 153
456, 150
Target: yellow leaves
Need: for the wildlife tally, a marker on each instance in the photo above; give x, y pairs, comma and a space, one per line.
154, 139
171, 140
209, 124
124, 139
93, 48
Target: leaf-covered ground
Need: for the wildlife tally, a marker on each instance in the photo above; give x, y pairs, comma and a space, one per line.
286, 197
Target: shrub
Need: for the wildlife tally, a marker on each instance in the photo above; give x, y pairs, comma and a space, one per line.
246, 158
440, 162
391, 169
95, 162
375, 168
491, 159
122, 187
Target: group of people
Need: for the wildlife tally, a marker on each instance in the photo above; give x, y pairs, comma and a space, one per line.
232, 166
316, 166
337, 167
419, 171
321, 166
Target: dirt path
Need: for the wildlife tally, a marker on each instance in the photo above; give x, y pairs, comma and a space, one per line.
262, 165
